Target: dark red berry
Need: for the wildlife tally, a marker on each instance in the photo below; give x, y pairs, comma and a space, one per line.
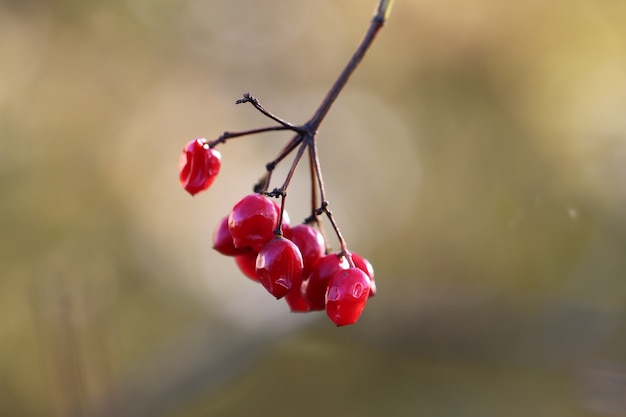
310, 242
346, 296
198, 166
296, 301
279, 266
315, 285
223, 241
252, 222
365, 266
247, 264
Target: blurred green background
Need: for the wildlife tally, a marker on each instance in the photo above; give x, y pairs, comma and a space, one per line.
477, 158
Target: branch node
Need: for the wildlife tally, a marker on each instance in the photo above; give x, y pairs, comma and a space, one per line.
247, 98
323, 209
276, 192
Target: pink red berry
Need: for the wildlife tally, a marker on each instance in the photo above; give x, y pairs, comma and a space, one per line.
296, 301
252, 222
279, 266
365, 266
346, 296
315, 285
198, 166
310, 242
223, 241
247, 264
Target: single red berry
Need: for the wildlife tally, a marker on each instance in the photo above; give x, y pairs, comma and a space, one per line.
315, 285
279, 266
365, 266
252, 222
223, 241
310, 242
247, 264
198, 166
347, 295
296, 301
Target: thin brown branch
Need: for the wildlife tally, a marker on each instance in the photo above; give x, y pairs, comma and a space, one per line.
376, 24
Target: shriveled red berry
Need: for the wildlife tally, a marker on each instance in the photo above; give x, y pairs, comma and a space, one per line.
346, 296
223, 241
247, 264
279, 266
315, 285
296, 301
252, 221
310, 242
365, 266
198, 166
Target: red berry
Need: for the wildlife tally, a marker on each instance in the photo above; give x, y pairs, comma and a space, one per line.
198, 166
252, 221
279, 266
315, 285
346, 296
296, 301
365, 266
310, 242
247, 264
223, 241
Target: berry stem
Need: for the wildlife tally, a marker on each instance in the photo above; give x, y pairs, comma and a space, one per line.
270, 166
314, 218
229, 135
324, 206
295, 163
314, 195
248, 98
279, 229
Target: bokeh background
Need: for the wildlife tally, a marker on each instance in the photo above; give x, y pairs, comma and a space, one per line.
477, 158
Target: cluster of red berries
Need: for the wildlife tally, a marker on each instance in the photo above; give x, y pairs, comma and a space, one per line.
294, 263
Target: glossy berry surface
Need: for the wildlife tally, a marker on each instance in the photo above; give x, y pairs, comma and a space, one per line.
247, 264
198, 166
223, 241
365, 266
346, 296
279, 266
315, 285
252, 222
310, 242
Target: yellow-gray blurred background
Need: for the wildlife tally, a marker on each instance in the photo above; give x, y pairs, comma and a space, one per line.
477, 158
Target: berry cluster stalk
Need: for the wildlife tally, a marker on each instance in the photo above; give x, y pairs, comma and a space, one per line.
305, 136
